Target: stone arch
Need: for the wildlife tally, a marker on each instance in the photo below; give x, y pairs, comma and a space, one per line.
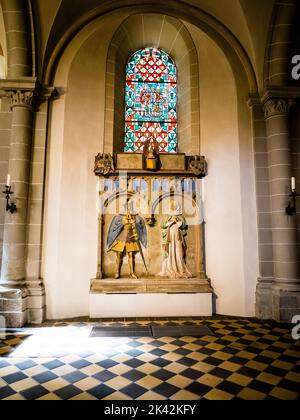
233, 49
170, 35
281, 43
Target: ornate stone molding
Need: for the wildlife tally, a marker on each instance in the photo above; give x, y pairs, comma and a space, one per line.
27, 92
276, 107
23, 99
198, 165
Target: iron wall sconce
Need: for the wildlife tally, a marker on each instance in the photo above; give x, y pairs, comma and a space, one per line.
291, 208
10, 207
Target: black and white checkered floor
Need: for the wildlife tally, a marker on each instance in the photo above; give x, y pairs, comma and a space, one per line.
245, 359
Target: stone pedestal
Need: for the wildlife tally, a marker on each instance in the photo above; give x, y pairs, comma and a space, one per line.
150, 285
150, 298
150, 305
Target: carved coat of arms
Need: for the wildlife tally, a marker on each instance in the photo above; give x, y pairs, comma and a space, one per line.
104, 164
197, 165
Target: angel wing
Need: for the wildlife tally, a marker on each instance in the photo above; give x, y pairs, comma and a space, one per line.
114, 231
141, 229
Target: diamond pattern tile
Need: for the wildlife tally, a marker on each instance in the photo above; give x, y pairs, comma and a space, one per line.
244, 359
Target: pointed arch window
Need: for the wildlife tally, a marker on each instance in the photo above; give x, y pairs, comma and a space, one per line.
151, 101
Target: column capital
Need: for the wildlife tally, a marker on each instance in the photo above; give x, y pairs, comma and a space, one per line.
277, 106
21, 91
26, 92
23, 99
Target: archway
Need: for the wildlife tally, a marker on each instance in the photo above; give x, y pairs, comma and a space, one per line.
79, 121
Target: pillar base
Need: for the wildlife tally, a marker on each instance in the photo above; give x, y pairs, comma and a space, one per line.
24, 305
13, 307
36, 302
263, 305
286, 304
277, 302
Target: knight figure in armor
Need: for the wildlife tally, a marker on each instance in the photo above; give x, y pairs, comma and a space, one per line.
127, 234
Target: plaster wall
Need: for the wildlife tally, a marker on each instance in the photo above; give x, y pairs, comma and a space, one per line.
230, 230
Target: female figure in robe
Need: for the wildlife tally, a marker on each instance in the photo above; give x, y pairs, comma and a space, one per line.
174, 232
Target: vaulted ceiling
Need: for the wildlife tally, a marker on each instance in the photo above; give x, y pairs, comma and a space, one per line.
248, 20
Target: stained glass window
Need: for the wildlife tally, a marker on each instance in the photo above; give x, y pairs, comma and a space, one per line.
151, 101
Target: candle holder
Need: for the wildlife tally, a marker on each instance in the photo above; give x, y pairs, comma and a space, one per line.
291, 208
10, 207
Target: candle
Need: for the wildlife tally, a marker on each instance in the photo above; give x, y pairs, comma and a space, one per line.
293, 182
8, 180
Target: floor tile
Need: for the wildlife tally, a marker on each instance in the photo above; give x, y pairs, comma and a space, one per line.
165, 389
134, 391
245, 359
149, 382
68, 392
101, 391
34, 392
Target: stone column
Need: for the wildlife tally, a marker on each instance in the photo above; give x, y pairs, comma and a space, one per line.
16, 20
14, 241
286, 287
264, 223
36, 300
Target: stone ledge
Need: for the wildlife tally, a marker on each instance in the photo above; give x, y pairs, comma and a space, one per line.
150, 285
19, 83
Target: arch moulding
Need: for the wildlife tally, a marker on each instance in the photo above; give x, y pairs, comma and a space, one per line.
214, 28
